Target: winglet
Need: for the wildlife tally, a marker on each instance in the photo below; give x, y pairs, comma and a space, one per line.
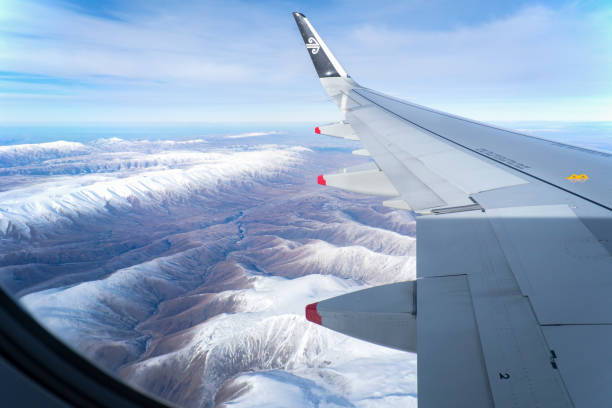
324, 61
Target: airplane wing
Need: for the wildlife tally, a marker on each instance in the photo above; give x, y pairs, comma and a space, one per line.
512, 305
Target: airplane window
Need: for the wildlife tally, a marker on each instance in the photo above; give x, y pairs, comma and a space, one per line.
168, 207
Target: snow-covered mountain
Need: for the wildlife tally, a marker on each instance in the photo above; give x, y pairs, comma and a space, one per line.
12, 155
61, 198
184, 266
266, 333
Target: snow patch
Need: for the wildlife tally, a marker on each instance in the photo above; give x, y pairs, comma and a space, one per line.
287, 389
287, 258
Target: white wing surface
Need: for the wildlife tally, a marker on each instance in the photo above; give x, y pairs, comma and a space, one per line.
512, 305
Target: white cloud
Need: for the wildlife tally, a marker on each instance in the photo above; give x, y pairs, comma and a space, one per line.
251, 134
239, 61
61, 42
551, 62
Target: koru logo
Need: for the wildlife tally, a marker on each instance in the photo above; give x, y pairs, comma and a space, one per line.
313, 45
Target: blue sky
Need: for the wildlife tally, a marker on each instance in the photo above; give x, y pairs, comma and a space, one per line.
234, 61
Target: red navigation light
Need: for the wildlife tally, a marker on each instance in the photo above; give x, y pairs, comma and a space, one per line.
312, 315
317, 130
321, 180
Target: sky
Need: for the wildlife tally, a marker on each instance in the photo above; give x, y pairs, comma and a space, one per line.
113, 61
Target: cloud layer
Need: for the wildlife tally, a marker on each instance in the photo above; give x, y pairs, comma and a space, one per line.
238, 61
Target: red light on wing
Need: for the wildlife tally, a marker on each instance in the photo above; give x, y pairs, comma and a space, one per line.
317, 130
321, 180
312, 315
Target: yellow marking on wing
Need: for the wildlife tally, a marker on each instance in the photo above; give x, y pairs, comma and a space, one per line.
577, 177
